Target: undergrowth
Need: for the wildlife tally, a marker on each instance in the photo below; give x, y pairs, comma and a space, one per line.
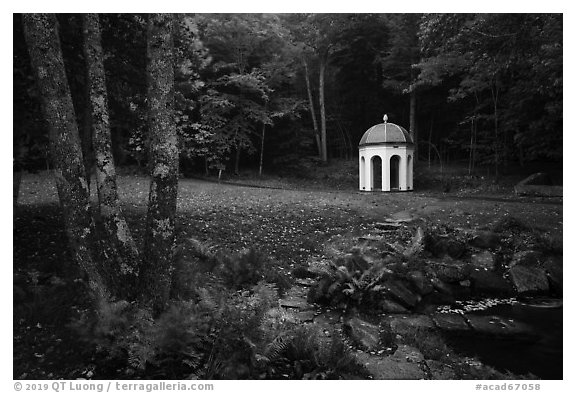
224, 322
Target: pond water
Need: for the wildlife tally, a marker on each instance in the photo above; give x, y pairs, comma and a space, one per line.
541, 356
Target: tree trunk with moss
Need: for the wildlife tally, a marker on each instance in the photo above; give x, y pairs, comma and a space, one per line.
47, 62
123, 274
159, 241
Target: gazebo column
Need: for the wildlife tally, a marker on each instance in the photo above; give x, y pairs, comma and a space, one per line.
368, 181
403, 180
362, 175
386, 170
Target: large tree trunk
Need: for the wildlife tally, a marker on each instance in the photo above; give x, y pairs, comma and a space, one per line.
323, 108
46, 57
312, 111
123, 275
159, 241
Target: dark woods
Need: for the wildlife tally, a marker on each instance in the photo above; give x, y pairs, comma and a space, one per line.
291, 89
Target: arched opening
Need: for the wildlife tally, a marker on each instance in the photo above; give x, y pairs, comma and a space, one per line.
394, 172
362, 173
376, 173
409, 173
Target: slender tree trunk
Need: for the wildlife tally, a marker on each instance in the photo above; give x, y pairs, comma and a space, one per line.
471, 155
413, 131
323, 108
496, 136
430, 140
123, 276
262, 149
155, 274
47, 62
237, 161
312, 111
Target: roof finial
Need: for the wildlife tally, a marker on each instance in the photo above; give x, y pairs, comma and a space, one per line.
385, 118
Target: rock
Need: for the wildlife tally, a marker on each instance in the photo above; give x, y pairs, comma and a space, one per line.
555, 272
526, 258
529, 279
408, 324
388, 306
305, 282
450, 270
294, 303
450, 322
490, 283
485, 240
387, 226
401, 293
305, 316
441, 286
440, 371
484, 260
390, 367
303, 273
362, 333
440, 246
402, 216
419, 280
499, 326
408, 353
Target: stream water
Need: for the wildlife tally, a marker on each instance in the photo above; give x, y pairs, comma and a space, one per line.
541, 356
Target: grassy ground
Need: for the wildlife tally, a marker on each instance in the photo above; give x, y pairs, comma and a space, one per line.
291, 225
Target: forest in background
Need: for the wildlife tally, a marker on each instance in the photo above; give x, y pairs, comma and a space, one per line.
284, 92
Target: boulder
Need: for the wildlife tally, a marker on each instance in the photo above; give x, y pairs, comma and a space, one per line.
485, 240
420, 282
408, 324
408, 353
526, 258
401, 293
450, 322
554, 270
440, 371
483, 260
528, 279
390, 367
363, 333
499, 326
490, 283
440, 246
388, 306
450, 270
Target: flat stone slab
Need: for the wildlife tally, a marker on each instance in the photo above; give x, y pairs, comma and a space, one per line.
305, 316
387, 226
400, 324
298, 303
390, 367
499, 326
408, 353
451, 322
402, 216
440, 371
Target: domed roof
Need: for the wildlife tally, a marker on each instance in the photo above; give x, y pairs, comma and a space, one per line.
385, 133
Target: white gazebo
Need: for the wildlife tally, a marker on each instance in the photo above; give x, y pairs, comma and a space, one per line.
386, 158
